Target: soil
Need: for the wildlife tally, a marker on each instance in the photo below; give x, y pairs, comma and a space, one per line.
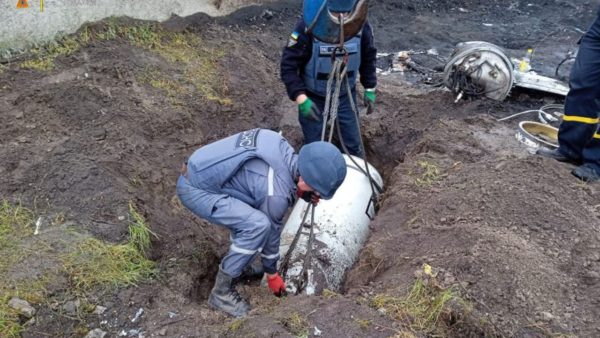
517, 233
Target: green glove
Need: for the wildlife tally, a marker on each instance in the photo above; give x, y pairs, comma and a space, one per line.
309, 110
369, 100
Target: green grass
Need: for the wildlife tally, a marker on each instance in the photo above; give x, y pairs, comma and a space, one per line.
43, 57
16, 223
94, 263
296, 325
86, 262
139, 232
421, 309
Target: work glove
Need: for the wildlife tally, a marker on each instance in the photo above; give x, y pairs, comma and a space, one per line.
369, 100
309, 110
276, 284
308, 196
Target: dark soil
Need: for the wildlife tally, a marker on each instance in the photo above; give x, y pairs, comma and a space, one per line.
518, 233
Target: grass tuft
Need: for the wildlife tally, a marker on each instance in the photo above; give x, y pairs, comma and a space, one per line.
421, 309
16, 222
236, 325
43, 57
95, 263
430, 173
139, 232
296, 325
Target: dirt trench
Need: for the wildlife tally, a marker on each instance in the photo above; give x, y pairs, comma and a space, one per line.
113, 120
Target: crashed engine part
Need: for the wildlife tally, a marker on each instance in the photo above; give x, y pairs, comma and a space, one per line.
479, 68
532, 80
535, 134
340, 231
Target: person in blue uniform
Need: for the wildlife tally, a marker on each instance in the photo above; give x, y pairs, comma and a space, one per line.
578, 135
246, 183
305, 66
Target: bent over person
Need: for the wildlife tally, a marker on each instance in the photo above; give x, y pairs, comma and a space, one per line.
246, 183
578, 135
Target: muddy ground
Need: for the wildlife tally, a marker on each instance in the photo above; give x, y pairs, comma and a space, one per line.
515, 235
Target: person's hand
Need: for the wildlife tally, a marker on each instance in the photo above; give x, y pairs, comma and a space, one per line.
276, 284
369, 100
308, 196
309, 110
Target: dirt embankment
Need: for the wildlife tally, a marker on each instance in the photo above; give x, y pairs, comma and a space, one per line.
110, 117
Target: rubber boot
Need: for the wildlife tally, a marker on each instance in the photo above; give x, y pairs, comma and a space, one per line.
224, 297
586, 173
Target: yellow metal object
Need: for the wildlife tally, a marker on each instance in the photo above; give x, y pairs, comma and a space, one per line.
536, 134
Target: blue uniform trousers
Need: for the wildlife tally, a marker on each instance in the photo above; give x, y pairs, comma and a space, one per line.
251, 231
312, 130
578, 136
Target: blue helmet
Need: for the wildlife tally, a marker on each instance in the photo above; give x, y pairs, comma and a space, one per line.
322, 167
323, 24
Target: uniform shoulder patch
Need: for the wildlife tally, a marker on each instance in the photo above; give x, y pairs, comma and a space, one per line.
247, 139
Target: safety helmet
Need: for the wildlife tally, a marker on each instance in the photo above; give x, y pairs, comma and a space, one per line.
324, 25
322, 167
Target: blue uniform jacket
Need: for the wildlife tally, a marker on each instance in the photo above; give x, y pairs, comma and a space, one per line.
298, 52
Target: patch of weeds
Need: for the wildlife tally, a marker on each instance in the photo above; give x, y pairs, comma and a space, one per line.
43, 57
329, 294
363, 323
16, 223
421, 309
236, 325
296, 325
162, 81
95, 263
2, 68
430, 173
139, 232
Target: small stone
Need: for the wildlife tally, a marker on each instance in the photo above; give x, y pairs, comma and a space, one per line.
99, 134
162, 332
591, 277
95, 333
267, 14
22, 307
70, 307
547, 316
99, 310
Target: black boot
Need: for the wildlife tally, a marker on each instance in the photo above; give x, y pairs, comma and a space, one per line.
586, 173
558, 155
224, 297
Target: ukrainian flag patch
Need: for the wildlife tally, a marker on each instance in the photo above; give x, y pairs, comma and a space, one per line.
293, 39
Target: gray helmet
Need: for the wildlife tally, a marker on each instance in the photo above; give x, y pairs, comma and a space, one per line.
322, 167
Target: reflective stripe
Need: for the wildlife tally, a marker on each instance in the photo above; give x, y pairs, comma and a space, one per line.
597, 135
581, 119
273, 256
241, 251
270, 182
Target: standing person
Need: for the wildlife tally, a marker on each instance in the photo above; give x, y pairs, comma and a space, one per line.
307, 61
246, 183
578, 135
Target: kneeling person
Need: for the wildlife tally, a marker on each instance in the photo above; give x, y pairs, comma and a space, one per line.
246, 183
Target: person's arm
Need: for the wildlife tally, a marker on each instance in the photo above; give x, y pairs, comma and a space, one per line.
275, 208
368, 70
293, 60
